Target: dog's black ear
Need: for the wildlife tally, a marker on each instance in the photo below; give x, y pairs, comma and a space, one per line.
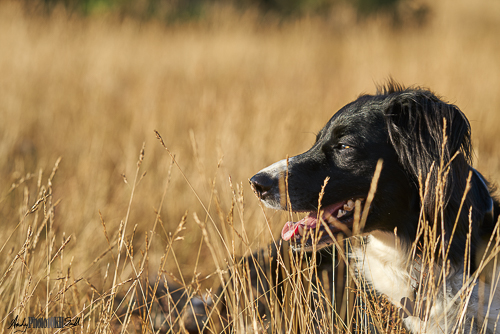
426, 134
418, 123
433, 141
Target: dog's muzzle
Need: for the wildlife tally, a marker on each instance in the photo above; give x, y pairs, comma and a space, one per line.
269, 185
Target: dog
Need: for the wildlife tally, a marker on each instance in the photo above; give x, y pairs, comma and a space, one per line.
394, 171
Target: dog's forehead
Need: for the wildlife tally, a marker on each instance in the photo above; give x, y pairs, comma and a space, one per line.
363, 115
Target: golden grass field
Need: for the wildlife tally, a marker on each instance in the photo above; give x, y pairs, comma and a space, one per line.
229, 95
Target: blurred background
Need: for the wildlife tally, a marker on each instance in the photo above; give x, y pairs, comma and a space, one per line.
231, 86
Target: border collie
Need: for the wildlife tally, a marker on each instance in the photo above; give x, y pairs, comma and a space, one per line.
426, 231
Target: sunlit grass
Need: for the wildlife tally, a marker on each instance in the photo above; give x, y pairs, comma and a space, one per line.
229, 95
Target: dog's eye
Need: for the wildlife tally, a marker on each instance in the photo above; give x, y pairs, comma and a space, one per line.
343, 146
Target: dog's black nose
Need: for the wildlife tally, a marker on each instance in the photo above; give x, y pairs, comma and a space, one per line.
261, 183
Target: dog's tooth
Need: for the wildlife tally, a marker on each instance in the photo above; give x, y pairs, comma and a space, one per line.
341, 213
349, 206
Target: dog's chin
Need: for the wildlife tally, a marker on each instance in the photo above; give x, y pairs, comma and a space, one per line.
314, 231
312, 244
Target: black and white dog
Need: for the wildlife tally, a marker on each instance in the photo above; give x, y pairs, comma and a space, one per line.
426, 184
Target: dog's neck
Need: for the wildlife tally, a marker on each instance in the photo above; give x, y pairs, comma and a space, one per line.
385, 266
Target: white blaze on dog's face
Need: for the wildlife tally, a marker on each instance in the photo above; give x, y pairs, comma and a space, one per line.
277, 171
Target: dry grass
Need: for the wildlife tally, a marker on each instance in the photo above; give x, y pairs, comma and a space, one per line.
228, 95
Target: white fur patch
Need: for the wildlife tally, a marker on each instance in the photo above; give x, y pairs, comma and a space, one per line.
384, 264
277, 171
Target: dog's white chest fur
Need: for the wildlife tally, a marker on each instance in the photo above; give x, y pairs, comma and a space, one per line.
384, 265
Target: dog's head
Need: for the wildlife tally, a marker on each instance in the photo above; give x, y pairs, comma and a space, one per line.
415, 135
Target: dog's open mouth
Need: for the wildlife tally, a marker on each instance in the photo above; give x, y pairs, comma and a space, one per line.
339, 217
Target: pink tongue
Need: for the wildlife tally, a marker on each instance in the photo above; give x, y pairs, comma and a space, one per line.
291, 229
